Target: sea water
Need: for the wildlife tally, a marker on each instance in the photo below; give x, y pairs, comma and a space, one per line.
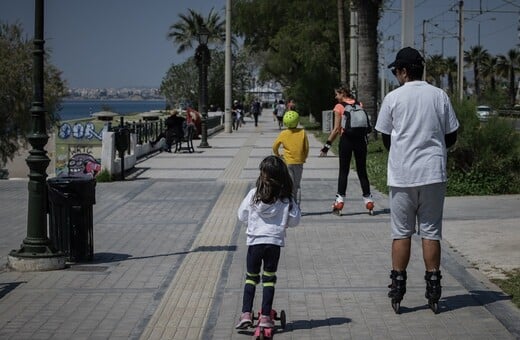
77, 109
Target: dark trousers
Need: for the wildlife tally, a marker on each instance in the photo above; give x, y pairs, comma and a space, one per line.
358, 146
269, 254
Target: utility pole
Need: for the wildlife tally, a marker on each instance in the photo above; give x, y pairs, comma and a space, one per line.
424, 46
407, 23
460, 65
227, 77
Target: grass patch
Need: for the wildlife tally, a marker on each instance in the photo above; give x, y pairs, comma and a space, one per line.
510, 285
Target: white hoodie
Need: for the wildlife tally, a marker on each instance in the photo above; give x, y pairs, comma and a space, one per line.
266, 223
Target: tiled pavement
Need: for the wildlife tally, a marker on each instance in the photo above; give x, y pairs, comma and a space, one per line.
169, 260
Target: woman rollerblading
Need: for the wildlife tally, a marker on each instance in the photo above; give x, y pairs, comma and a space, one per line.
433, 289
397, 288
352, 142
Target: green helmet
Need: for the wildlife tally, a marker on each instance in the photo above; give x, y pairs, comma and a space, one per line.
291, 119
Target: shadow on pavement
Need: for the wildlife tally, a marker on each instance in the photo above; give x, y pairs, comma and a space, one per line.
311, 324
7, 287
476, 298
117, 257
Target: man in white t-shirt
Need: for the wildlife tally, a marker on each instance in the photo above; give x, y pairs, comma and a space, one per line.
418, 124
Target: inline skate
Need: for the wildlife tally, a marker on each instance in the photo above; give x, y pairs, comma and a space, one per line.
397, 288
337, 207
433, 289
369, 204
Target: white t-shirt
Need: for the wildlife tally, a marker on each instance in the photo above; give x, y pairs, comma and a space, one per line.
417, 116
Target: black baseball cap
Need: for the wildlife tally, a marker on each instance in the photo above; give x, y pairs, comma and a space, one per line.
407, 56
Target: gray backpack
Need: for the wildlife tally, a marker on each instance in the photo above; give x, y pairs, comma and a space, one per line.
355, 119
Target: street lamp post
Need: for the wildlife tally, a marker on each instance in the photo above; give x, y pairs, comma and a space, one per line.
36, 252
203, 59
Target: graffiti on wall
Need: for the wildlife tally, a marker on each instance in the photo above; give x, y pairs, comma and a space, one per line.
75, 141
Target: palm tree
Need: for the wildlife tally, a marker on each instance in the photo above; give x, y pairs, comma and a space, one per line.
490, 71
509, 64
450, 65
184, 33
368, 19
435, 66
475, 56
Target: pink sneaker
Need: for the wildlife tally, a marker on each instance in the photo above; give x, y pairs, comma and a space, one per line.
245, 321
266, 322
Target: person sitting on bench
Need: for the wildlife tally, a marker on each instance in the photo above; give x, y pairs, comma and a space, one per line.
174, 130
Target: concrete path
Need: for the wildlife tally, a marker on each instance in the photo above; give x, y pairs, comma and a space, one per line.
170, 258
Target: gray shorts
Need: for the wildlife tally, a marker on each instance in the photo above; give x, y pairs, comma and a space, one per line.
295, 171
421, 205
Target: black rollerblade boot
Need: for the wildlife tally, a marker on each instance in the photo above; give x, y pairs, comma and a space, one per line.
397, 288
433, 289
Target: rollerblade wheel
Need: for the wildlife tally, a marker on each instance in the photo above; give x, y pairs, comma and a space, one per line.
283, 319
370, 207
396, 305
434, 307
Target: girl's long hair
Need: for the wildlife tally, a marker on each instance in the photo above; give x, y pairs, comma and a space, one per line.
274, 182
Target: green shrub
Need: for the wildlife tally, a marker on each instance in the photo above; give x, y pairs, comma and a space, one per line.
485, 159
104, 176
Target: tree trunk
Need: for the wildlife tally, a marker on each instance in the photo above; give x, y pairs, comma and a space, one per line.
341, 34
368, 18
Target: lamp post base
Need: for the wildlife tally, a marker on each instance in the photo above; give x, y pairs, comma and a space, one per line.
24, 262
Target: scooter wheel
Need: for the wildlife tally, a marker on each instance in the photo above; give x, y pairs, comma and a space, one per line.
283, 319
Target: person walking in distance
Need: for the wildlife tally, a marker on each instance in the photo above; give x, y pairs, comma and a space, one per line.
418, 124
268, 209
295, 149
353, 140
279, 111
255, 109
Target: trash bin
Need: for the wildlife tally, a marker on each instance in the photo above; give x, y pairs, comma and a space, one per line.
70, 216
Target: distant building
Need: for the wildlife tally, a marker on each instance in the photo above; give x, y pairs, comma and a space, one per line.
266, 94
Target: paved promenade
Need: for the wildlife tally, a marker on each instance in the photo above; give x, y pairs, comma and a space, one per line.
170, 258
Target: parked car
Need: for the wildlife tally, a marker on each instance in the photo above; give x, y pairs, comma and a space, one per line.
484, 112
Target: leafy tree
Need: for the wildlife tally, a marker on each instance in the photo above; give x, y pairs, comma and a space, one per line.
179, 87
16, 90
298, 40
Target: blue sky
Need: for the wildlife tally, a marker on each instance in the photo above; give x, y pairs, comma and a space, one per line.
118, 43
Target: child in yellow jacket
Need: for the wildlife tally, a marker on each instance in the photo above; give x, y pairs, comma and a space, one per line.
295, 148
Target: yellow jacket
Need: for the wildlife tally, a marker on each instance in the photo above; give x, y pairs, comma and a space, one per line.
295, 145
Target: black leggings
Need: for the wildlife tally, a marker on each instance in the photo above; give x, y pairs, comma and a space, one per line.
269, 254
358, 146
